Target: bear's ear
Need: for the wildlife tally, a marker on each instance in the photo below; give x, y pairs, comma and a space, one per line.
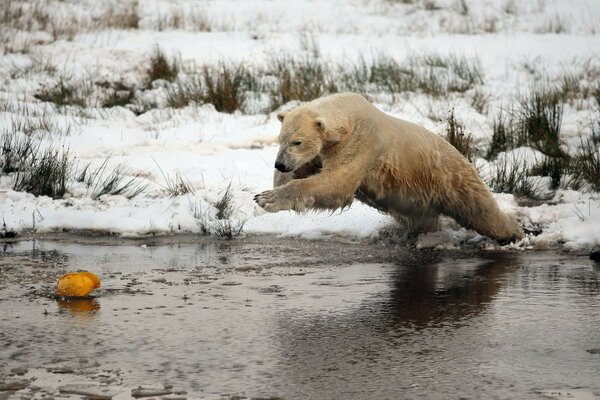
281, 115
330, 134
320, 124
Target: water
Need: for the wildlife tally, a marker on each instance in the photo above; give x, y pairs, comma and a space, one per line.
298, 319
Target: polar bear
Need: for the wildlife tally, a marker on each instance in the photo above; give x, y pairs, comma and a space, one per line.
341, 147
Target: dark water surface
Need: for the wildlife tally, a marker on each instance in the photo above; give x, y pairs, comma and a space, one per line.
298, 319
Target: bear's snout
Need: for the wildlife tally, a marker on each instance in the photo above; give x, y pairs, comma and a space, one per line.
279, 166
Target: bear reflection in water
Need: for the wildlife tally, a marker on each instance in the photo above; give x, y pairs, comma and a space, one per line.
431, 317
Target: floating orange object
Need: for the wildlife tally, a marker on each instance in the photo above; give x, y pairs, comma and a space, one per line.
77, 284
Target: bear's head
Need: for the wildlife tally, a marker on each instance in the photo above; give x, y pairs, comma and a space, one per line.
303, 136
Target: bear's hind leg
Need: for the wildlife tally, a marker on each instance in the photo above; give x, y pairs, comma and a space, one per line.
479, 211
499, 226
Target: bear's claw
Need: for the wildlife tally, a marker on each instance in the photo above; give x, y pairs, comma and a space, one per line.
274, 200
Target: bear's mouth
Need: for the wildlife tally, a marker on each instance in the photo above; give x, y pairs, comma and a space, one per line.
313, 167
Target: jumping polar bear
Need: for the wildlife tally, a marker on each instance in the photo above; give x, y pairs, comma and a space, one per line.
339, 147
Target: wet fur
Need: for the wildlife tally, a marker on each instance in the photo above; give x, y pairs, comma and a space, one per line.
350, 149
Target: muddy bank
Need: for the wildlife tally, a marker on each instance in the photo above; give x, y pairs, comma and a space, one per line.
272, 318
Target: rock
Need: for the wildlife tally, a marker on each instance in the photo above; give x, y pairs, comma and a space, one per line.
61, 370
18, 371
594, 351
150, 391
13, 385
595, 254
93, 392
436, 240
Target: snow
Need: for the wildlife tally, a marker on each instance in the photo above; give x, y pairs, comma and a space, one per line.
214, 151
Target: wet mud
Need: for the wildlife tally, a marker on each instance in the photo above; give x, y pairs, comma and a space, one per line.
296, 319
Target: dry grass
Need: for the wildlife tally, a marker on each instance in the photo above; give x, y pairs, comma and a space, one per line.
456, 135
299, 79
534, 120
176, 185
118, 15
118, 181
223, 224
47, 174
512, 175
539, 119
118, 95
226, 87
15, 151
586, 163
161, 67
66, 92
504, 136
555, 25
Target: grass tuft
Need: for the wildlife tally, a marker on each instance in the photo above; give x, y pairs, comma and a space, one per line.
16, 152
177, 185
534, 121
47, 174
504, 136
540, 118
65, 93
118, 95
455, 134
119, 15
224, 226
555, 168
225, 205
479, 100
511, 175
226, 87
299, 79
587, 163
161, 68
556, 25
117, 182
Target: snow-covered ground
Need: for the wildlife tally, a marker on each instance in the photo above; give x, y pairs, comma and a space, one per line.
516, 43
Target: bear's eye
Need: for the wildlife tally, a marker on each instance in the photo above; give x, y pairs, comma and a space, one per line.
296, 143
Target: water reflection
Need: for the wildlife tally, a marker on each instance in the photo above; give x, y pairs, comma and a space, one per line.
426, 295
404, 324
81, 307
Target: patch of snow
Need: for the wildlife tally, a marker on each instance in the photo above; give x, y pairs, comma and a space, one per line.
515, 42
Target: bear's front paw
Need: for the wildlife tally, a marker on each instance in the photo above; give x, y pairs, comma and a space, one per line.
274, 200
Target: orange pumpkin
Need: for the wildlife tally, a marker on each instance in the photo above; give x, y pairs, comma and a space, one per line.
77, 284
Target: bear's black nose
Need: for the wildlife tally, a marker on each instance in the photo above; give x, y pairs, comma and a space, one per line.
281, 167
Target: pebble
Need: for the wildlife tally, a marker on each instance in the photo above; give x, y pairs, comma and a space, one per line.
18, 371
93, 392
594, 351
173, 397
13, 385
149, 391
61, 370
